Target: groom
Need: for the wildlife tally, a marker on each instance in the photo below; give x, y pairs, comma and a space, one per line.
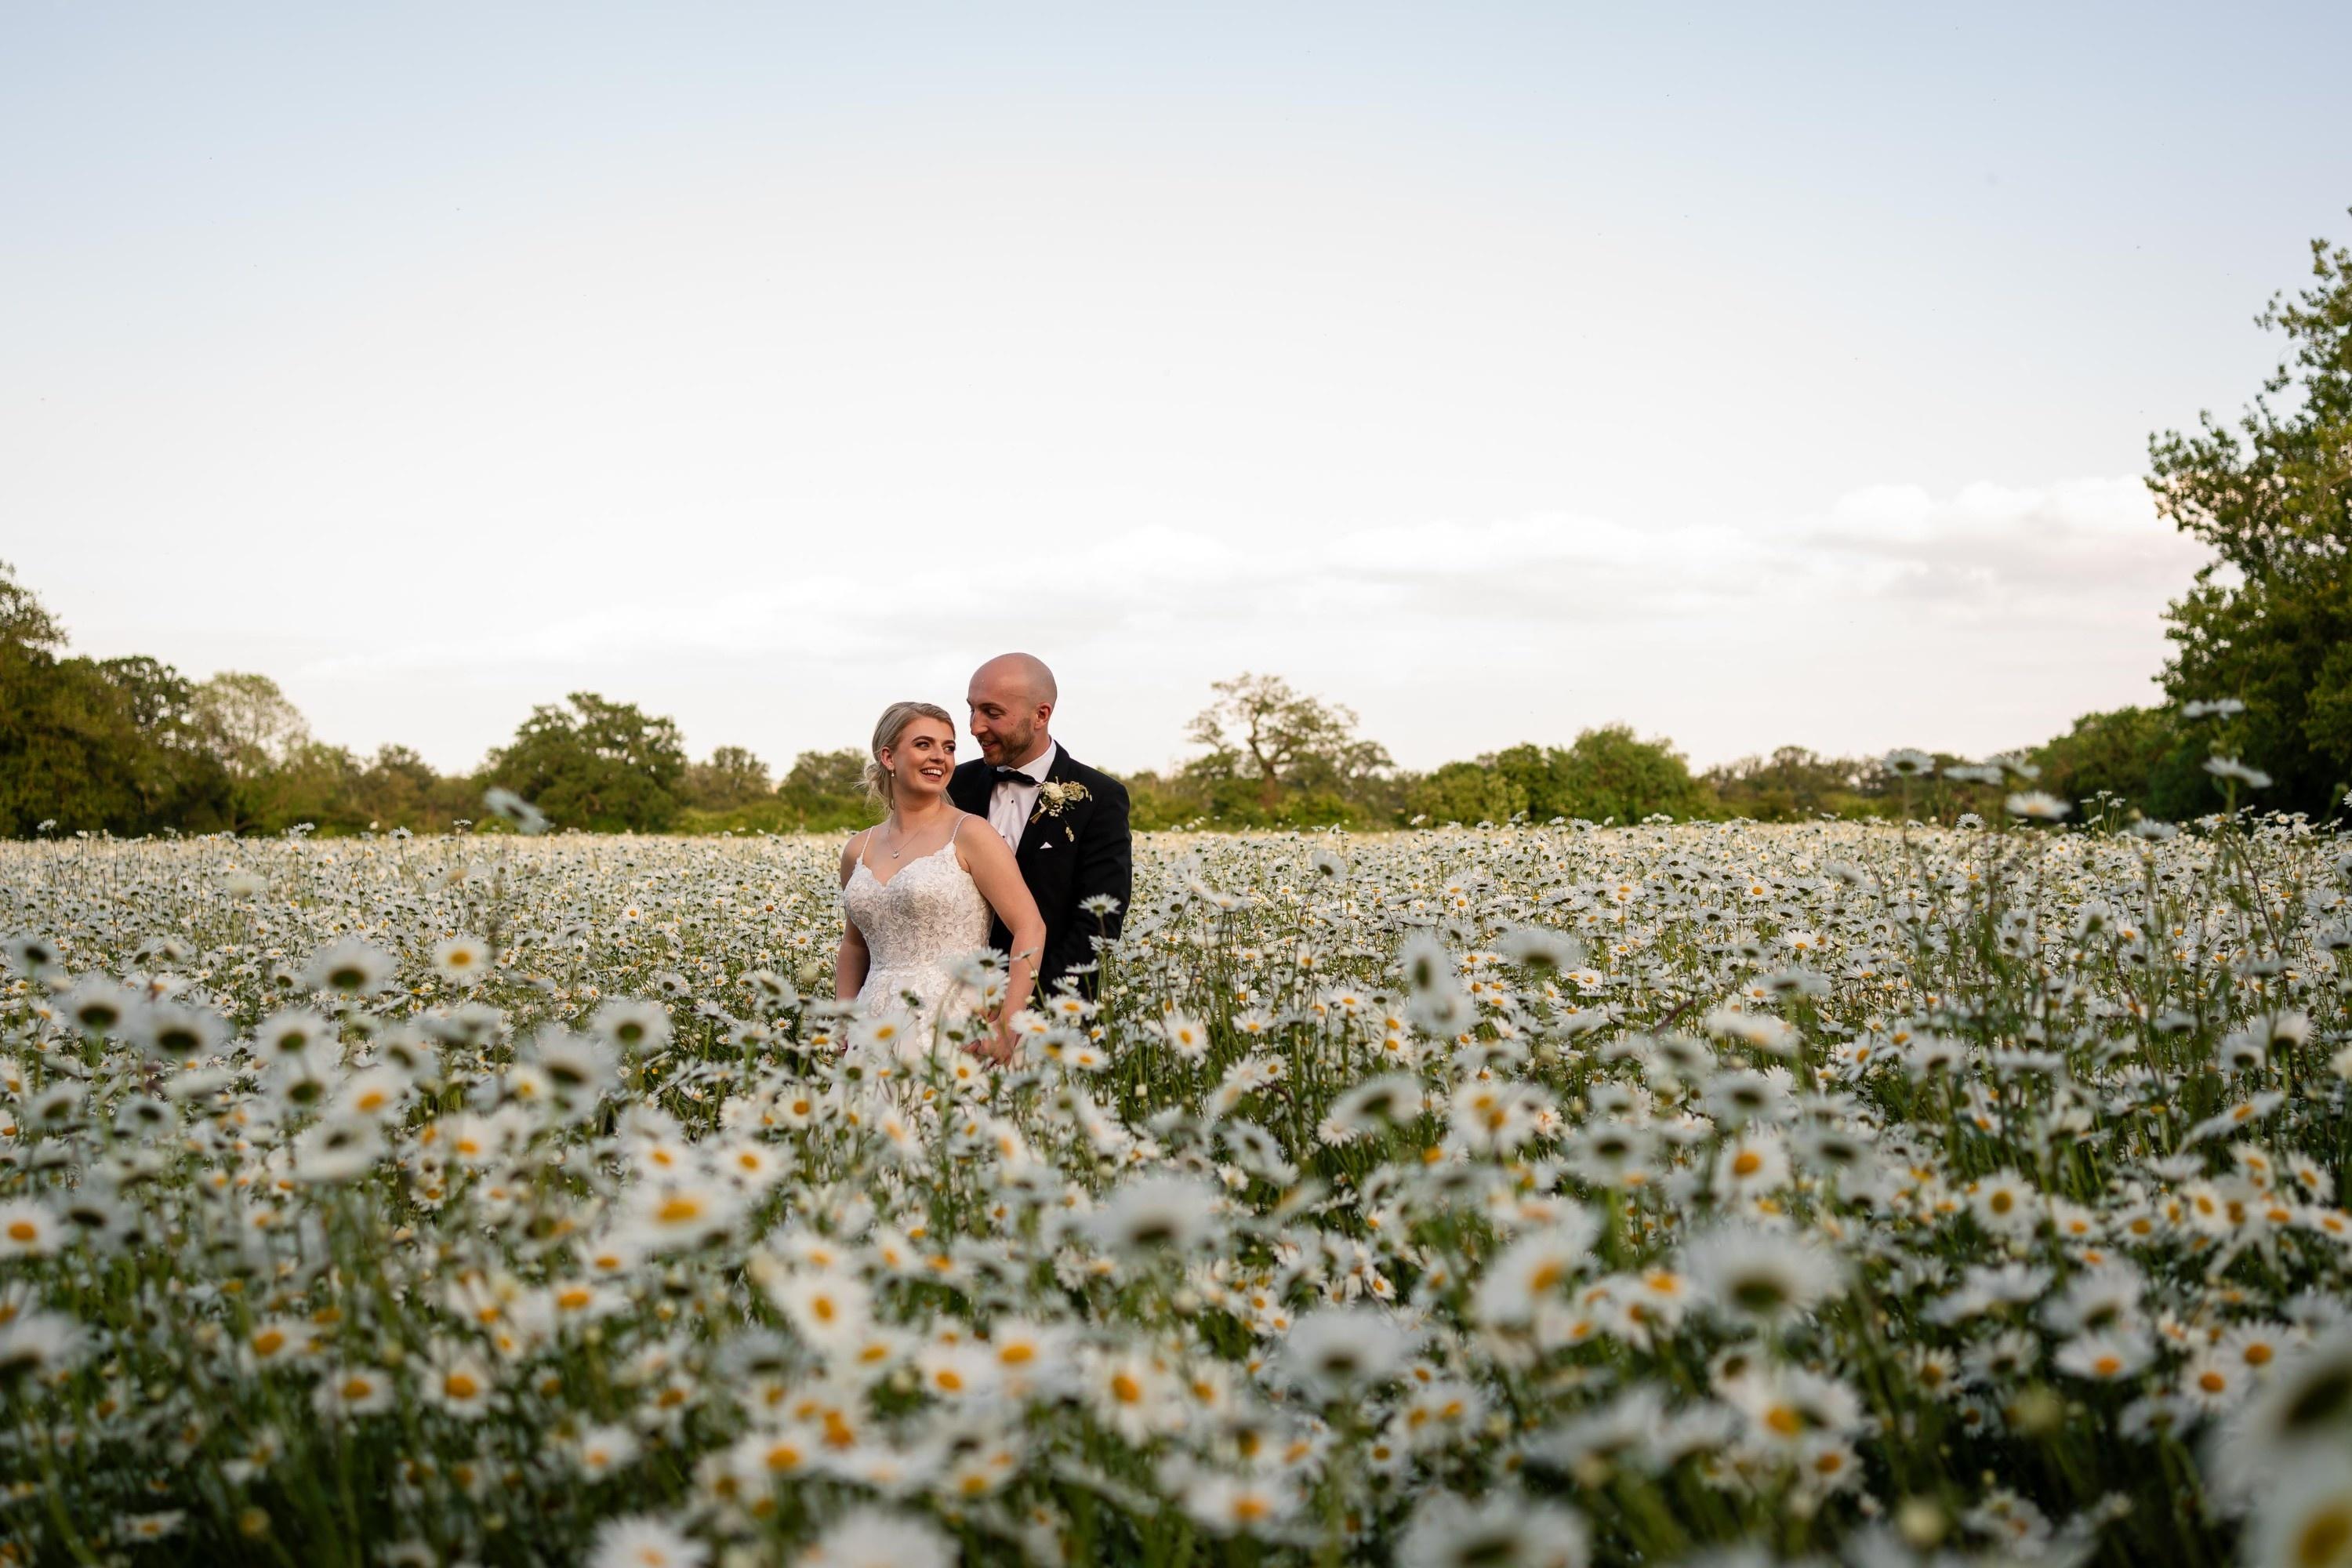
1066, 823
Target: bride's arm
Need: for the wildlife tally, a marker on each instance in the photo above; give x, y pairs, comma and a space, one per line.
990, 861
850, 959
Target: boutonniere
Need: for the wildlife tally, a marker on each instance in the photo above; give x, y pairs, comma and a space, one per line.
1054, 797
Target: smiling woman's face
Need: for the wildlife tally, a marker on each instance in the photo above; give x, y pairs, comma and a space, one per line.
922, 760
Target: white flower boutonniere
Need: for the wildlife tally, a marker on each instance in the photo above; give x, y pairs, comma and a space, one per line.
1054, 797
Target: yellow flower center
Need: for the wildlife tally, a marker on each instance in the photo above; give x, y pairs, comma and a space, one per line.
2325, 1536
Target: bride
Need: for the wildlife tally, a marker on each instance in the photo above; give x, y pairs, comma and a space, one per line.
917, 895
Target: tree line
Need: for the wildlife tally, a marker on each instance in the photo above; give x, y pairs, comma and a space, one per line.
130, 746
2261, 672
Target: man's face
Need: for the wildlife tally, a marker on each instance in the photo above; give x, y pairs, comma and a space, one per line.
1004, 720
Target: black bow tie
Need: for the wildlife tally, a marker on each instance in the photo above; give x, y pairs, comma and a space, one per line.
1012, 775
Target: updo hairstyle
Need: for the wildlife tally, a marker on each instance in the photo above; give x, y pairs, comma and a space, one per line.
895, 720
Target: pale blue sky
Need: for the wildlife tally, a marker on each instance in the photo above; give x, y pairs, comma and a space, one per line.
1750, 375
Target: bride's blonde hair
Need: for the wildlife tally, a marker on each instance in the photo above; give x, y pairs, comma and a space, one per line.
895, 720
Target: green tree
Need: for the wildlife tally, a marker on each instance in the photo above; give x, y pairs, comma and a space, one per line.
1796, 785
1605, 772
311, 782
276, 775
1156, 803
1609, 772
91, 745
588, 762
69, 751
731, 777
24, 622
824, 793
249, 724
178, 782
2141, 758
826, 790
2270, 621
1279, 741
30, 641
398, 788
1468, 793
827, 776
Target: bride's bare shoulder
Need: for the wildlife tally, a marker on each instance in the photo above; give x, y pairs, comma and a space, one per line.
973, 834
851, 851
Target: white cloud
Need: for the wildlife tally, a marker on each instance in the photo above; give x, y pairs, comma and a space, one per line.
1986, 618
2089, 541
778, 393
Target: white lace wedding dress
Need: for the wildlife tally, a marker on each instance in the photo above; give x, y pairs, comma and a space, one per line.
926, 915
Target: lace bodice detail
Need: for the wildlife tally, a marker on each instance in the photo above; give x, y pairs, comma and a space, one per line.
928, 914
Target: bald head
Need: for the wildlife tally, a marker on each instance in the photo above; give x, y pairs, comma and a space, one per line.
1021, 675
1011, 697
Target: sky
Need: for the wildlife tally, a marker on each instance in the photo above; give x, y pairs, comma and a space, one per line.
1750, 375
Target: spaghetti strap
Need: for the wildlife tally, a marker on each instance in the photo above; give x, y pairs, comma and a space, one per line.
865, 843
962, 817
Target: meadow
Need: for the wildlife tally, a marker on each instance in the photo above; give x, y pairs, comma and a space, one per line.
1523, 1195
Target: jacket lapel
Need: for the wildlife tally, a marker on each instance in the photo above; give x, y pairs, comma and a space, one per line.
1033, 832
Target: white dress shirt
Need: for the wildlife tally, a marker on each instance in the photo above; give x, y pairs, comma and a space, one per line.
1010, 803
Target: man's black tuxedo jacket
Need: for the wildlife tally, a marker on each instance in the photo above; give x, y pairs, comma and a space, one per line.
1066, 859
